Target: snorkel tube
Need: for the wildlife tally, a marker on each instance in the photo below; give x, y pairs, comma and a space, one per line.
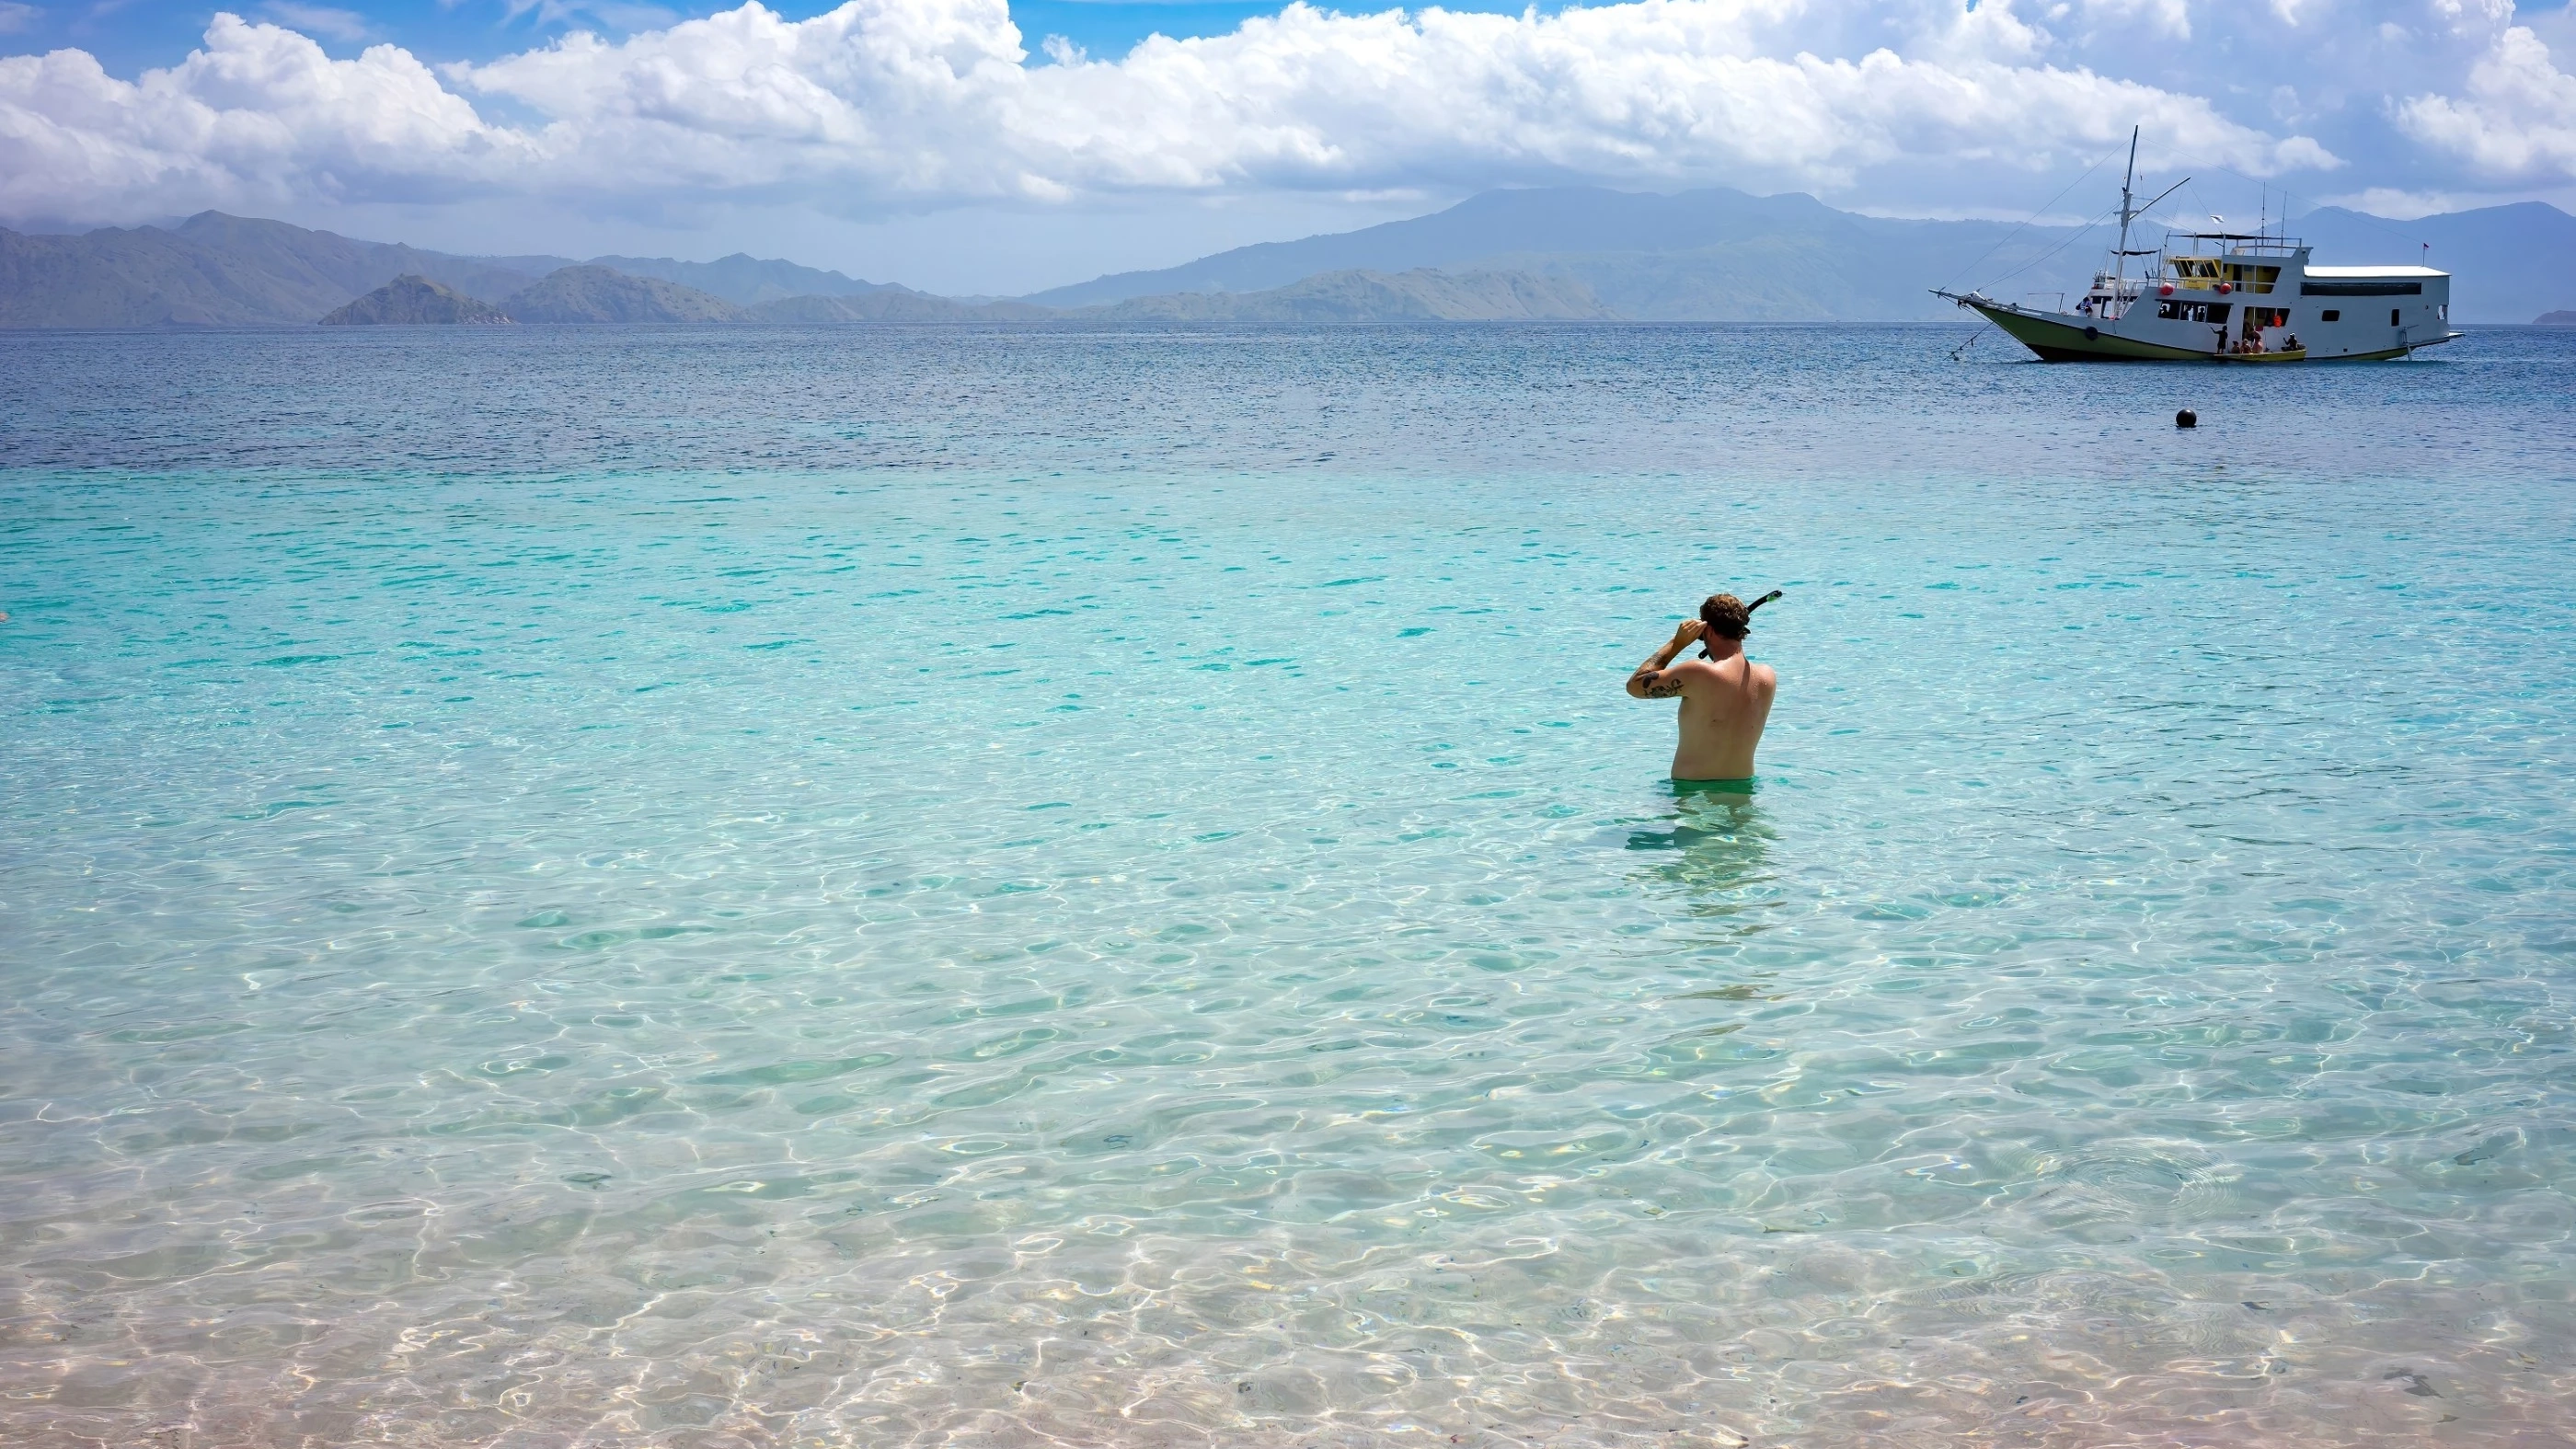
1748, 614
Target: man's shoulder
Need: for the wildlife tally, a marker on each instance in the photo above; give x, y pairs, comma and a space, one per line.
1714, 674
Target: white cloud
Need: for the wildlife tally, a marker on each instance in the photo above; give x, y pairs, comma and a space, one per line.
907, 103
15, 17
2516, 121
2398, 204
259, 115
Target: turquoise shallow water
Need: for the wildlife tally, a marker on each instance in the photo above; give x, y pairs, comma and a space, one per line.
934, 887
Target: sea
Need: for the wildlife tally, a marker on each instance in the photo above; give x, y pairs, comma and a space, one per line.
1078, 885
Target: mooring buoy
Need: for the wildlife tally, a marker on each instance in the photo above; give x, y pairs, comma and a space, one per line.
2186, 419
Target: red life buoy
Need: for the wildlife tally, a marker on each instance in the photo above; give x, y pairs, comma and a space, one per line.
2224, 289
2165, 291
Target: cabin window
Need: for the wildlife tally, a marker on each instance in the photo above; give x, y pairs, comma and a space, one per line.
2331, 315
2363, 287
2393, 314
2264, 277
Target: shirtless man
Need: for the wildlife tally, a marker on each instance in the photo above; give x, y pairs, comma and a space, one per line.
1726, 698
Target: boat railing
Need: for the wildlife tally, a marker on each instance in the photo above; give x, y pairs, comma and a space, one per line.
2238, 243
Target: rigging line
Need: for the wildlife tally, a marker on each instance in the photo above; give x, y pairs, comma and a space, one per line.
2073, 237
2199, 201
2034, 216
2365, 218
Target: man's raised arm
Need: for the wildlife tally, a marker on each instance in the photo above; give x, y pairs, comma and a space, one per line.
1654, 679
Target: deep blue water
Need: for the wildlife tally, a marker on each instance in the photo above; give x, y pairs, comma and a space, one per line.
950, 886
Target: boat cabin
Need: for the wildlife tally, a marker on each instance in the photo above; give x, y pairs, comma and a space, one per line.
2259, 297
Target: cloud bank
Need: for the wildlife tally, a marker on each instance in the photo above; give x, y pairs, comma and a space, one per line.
908, 104
2516, 121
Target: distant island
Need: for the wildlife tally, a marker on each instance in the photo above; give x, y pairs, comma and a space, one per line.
411, 299
2555, 319
1563, 254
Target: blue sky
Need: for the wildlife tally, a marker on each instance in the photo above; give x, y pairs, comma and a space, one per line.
951, 144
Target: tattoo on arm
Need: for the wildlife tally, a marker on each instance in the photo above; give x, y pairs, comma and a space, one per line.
1663, 686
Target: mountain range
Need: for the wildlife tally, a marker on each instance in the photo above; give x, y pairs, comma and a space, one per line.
219, 270
1722, 255
1565, 253
588, 293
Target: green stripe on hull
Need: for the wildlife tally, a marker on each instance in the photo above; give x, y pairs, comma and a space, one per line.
2057, 342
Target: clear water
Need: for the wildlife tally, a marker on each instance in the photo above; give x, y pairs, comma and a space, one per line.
944, 887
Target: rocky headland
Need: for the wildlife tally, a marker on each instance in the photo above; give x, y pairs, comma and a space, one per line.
412, 300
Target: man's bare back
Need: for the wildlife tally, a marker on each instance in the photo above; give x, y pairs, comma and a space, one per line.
1725, 697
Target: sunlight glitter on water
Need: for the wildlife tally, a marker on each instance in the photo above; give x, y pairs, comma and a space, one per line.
839, 958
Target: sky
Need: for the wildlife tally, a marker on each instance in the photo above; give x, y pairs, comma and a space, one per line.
985, 147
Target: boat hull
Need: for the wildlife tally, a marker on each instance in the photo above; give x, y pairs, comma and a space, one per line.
2077, 340
2065, 337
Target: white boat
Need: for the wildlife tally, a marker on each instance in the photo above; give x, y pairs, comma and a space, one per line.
2229, 297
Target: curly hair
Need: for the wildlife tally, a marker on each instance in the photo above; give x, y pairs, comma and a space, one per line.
1726, 616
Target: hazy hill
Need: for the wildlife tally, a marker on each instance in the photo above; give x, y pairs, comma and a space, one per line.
746, 281
892, 304
212, 270
2506, 262
1712, 254
1578, 251
1726, 255
599, 294
1366, 296
219, 270
408, 299
740, 279
321, 262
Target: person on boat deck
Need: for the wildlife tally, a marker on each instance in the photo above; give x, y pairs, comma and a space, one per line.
1725, 697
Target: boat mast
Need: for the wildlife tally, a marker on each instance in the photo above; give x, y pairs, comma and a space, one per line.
2120, 276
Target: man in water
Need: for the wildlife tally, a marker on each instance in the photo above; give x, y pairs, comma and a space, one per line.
1726, 697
